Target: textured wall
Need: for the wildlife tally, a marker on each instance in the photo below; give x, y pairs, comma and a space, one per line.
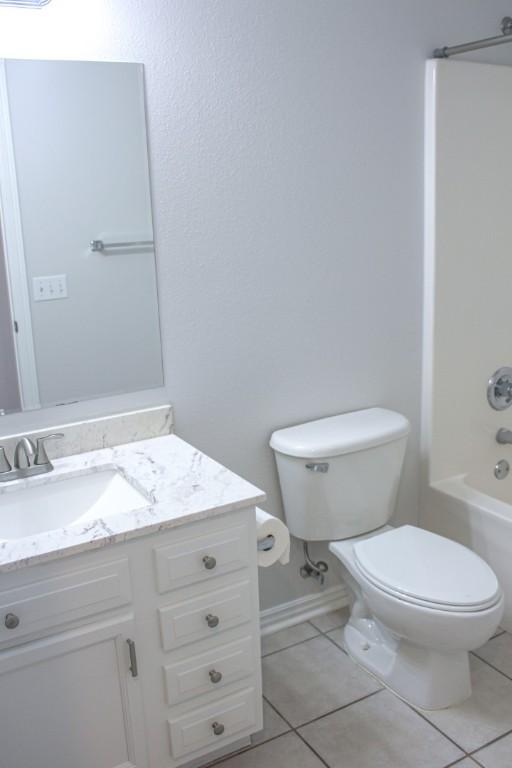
287, 158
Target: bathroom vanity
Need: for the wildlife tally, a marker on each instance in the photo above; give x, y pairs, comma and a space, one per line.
129, 614
129, 631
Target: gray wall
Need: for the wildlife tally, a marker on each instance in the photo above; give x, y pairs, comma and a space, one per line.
9, 392
287, 156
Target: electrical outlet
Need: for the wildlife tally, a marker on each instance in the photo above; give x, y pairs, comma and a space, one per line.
50, 287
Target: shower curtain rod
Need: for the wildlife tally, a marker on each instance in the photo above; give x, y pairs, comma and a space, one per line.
505, 37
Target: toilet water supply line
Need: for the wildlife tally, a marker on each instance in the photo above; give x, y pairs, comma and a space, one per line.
311, 569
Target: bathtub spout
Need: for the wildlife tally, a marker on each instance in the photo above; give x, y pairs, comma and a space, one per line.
504, 436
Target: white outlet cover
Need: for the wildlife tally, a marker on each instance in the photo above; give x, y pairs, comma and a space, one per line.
49, 287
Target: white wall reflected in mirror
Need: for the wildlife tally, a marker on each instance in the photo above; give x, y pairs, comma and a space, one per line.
81, 323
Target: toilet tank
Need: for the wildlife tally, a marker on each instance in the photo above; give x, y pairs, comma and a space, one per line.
339, 476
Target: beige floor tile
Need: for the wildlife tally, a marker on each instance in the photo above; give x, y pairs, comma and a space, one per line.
313, 678
287, 751
332, 620
286, 637
497, 755
485, 716
380, 731
498, 652
338, 636
273, 725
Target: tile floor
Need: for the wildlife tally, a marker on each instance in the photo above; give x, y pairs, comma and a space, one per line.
321, 710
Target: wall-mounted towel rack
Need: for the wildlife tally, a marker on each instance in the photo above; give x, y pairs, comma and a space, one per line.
100, 245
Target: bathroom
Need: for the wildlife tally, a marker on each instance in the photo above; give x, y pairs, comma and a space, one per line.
296, 252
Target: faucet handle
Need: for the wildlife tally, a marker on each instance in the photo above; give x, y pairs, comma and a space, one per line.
4, 461
41, 455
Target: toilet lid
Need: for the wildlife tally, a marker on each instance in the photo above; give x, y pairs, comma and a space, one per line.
421, 566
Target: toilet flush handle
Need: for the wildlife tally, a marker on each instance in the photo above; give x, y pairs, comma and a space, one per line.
318, 466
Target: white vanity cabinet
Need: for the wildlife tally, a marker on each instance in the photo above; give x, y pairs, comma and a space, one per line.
66, 700
184, 601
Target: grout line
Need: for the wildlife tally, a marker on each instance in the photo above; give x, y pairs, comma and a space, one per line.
458, 761
292, 645
312, 750
331, 640
278, 712
338, 709
326, 631
340, 626
299, 642
306, 640
241, 751
489, 743
496, 669
459, 746
295, 729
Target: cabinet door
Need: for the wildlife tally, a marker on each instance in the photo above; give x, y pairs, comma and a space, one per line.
70, 701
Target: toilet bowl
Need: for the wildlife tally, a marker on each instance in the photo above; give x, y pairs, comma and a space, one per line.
419, 602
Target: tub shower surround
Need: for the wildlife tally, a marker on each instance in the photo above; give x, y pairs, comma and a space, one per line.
467, 489
143, 624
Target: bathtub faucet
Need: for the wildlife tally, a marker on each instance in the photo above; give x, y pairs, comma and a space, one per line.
504, 436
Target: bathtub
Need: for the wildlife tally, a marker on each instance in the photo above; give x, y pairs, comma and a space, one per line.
477, 512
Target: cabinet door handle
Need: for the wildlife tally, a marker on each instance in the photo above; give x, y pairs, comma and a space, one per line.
215, 676
11, 620
212, 620
209, 562
217, 728
133, 658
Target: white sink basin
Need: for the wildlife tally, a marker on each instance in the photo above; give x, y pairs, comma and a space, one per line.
33, 509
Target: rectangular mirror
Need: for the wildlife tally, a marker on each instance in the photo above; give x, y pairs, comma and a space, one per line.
78, 292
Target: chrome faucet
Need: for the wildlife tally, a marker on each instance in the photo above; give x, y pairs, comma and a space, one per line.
29, 459
504, 436
25, 449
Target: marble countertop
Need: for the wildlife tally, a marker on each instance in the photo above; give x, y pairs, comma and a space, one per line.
181, 484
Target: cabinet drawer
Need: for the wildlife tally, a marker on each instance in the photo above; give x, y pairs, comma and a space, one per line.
44, 604
210, 671
201, 557
205, 616
230, 716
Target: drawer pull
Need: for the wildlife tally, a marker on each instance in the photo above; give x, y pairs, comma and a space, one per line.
212, 621
134, 669
209, 562
217, 728
215, 676
11, 621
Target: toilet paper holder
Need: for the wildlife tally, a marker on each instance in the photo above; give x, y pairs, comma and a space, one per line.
266, 544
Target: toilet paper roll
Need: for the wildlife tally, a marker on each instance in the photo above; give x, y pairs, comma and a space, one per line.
268, 525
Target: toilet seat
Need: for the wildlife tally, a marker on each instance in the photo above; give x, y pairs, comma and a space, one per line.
416, 566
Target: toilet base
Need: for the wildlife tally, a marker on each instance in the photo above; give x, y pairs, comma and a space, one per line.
424, 678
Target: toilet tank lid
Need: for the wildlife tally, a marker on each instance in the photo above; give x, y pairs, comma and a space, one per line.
336, 435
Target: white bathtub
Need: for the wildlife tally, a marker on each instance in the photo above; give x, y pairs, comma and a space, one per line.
477, 512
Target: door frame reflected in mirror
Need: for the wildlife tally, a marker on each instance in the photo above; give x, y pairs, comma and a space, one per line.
14, 257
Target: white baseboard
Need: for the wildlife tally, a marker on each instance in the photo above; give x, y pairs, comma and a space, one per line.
288, 614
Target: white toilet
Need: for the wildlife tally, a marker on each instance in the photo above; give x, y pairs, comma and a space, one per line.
420, 601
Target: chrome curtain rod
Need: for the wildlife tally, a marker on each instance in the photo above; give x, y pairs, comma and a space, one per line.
488, 42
